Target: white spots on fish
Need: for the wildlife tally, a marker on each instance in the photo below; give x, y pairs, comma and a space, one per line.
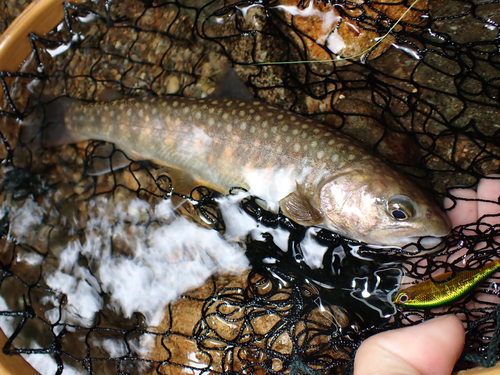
229, 127
225, 116
314, 144
265, 135
137, 105
242, 113
264, 124
304, 135
293, 118
316, 131
284, 128
257, 118
351, 157
215, 102
320, 154
296, 147
233, 112
243, 126
194, 106
257, 103
186, 110
280, 117
229, 103
198, 115
174, 104
334, 158
305, 126
211, 121
269, 114
288, 139
274, 129
211, 110
295, 131
331, 142
277, 139
252, 129
146, 119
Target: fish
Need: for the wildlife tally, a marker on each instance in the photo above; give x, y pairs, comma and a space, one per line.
445, 288
316, 175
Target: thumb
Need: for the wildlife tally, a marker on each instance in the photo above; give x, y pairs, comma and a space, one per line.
430, 348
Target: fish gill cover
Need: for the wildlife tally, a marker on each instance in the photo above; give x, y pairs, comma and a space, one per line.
92, 264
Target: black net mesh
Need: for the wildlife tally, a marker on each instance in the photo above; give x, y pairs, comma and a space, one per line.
426, 98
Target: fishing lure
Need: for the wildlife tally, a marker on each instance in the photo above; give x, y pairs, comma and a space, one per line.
445, 288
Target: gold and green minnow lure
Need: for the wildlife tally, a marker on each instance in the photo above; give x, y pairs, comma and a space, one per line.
443, 289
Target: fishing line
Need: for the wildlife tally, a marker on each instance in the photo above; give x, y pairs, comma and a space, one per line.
343, 58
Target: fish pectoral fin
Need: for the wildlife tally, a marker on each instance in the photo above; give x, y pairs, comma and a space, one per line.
297, 208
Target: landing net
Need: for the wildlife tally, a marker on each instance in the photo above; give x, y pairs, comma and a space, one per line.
92, 265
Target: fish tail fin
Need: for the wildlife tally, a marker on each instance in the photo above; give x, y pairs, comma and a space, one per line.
55, 130
45, 126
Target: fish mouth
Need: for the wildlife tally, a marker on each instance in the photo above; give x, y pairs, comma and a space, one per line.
428, 242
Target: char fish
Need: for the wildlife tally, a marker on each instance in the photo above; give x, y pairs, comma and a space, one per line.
316, 175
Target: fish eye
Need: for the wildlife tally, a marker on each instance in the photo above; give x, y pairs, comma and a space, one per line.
400, 207
402, 298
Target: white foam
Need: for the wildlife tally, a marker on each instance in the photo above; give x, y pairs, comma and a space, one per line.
165, 260
141, 267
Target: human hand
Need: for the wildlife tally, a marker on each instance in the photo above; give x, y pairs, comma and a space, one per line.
433, 346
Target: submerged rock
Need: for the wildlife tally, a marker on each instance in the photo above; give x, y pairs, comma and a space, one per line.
346, 31
250, 323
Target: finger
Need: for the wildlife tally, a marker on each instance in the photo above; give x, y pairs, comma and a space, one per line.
465, 211
430, 348
489, 189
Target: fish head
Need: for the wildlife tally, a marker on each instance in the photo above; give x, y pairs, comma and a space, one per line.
381, 208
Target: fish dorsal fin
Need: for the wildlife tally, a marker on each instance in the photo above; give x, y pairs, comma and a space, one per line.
298, 208
230, 86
